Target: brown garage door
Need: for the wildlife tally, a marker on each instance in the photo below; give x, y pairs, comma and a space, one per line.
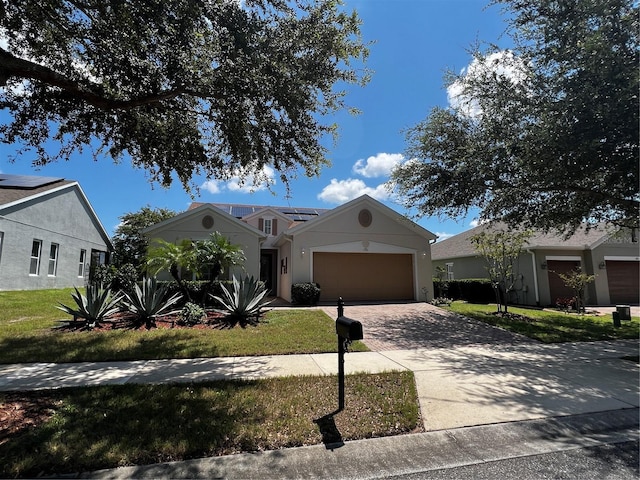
624, 281
363, 276
557, 288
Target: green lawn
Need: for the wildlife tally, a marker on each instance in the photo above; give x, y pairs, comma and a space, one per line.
106, 427
83, 429
549, 326
27, 334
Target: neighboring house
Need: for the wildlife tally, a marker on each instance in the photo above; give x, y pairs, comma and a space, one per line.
360, 251
49, 233
613, 257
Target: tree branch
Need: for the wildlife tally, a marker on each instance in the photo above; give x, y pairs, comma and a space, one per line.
12, 66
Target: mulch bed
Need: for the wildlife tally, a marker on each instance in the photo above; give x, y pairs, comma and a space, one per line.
214, 319
21, 411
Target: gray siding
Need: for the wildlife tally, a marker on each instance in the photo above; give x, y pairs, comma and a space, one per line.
62, 217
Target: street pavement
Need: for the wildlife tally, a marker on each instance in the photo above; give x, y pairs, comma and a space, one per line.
486, 395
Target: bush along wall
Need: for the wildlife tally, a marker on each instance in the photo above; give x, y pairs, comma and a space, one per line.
472, 290
307, 293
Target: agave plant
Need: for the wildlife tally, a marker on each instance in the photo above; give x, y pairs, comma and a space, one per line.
97, 304
150, 301
246, 300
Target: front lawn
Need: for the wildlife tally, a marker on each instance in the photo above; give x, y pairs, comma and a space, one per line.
548, 326
85, 429
27, 334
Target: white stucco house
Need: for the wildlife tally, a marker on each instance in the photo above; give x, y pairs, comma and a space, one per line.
49, 233
360, 251
612, 255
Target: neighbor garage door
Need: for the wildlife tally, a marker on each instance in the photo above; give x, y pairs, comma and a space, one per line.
624, 283
363, 276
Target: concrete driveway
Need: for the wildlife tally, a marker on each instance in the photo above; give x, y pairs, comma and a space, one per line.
408, 326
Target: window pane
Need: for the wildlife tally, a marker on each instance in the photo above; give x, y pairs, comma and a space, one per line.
53, 259
83, 259
34, 265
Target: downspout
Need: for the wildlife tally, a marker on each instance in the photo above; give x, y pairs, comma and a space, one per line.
535, 275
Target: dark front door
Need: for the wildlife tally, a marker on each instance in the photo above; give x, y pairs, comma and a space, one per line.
268, 259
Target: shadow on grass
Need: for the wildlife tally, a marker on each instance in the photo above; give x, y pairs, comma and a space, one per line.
135, 424
102, 346
331, 436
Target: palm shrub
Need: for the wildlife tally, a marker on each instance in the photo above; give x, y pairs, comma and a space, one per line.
245, 299
150, 301
92, 308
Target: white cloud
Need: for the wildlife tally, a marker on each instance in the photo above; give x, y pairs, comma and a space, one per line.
443, 235
500, 64
211, 186
379, 165
477, 221
341, 191
243, 182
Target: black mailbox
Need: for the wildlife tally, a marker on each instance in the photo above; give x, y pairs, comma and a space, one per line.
348, 328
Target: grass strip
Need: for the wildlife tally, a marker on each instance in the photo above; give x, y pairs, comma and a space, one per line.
92, 428
550, 327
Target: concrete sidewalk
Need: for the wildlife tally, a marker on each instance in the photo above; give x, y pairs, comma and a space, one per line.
457, 387
479, 404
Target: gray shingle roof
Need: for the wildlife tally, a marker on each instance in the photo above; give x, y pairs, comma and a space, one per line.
14, 188
296, 214
460, 245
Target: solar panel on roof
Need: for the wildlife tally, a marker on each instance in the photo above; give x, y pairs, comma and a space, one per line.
25, 181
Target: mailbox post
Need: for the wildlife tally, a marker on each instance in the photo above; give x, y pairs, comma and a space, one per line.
347, 330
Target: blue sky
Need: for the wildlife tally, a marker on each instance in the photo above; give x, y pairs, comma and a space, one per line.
415, 42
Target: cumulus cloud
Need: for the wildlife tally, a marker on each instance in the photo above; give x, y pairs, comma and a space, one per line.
477, 221
500, 64
443, 235
211, 186
243, 181
341, 191
379, 165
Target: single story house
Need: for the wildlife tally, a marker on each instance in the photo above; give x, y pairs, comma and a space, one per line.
612, 256
49, 233
360, 251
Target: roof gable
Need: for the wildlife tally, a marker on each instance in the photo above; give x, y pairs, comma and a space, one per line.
293, 214
267, 211
199, 210
362, 201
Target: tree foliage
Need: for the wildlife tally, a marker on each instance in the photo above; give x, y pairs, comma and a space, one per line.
577, 281
217, 254
217, 87
501, 249
129, 244
544, 135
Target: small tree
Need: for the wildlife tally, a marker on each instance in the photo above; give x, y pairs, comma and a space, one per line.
577, 281
501, 249
173, 258
217, 254
129, 243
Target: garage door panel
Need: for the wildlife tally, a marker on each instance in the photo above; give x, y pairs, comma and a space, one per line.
363, 276
624, 281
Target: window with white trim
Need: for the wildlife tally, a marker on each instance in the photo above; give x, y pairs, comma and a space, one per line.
450, 271
82, 263
267, 226
53, 259
36, 250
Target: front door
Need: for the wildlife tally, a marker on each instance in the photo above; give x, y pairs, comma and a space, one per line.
268, 259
